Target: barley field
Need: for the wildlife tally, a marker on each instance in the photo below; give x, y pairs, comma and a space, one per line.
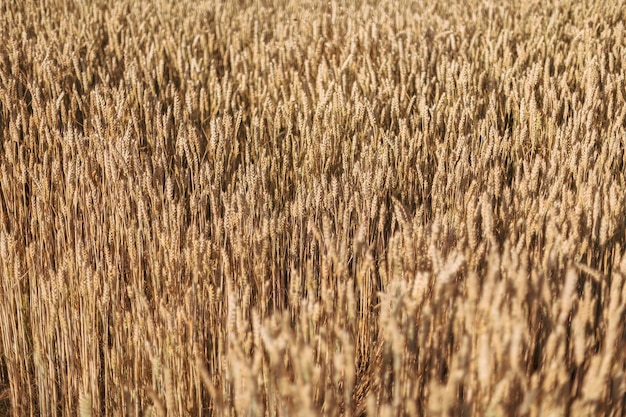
312, 208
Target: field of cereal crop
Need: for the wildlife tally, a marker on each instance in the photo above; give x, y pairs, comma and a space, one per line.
312, 208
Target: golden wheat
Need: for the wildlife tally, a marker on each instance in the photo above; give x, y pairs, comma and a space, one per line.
299, 208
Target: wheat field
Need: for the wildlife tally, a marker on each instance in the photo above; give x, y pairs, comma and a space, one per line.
312, 208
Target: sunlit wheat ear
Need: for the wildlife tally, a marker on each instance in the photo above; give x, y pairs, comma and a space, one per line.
85, 406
